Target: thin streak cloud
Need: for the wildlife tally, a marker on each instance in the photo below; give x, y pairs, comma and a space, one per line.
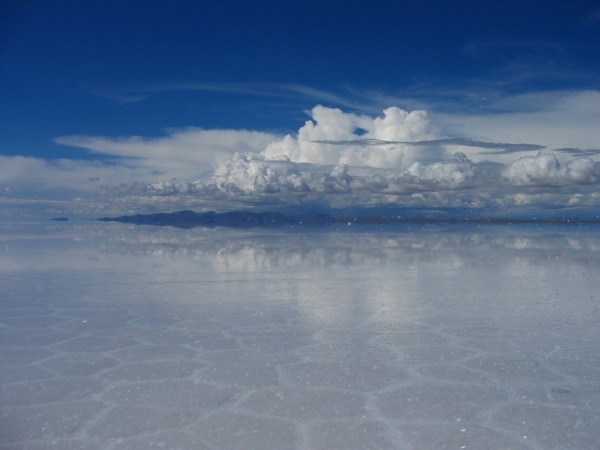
273, 90
464, 142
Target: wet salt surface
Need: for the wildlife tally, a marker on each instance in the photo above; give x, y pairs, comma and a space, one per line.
116, 337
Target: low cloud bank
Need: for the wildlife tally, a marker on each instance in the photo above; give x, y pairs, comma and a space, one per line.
335, 160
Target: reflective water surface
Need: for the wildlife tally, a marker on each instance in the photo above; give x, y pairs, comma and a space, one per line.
115, 336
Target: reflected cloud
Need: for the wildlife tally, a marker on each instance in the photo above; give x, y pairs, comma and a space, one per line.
256, 250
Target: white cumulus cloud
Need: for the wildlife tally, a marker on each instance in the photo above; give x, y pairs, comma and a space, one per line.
545, 169
316, 142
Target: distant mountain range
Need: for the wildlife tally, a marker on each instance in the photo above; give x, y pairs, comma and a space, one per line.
247, 219
234, 219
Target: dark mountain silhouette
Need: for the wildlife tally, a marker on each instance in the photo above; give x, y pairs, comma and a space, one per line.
235, 219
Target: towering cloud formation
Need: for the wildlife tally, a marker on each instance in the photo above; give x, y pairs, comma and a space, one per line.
339, 159
318, 140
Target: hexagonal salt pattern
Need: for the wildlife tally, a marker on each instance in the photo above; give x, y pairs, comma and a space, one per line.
117, 337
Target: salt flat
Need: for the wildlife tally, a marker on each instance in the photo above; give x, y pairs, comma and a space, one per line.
114, 336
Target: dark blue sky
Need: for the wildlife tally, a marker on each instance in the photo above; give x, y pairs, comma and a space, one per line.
122, 68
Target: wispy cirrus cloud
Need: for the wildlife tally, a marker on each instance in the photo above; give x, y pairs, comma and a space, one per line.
184, 153
253, 89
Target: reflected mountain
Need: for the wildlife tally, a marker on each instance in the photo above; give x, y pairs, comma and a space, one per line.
248, 219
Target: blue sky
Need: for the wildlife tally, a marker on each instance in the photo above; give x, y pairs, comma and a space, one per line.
147, 102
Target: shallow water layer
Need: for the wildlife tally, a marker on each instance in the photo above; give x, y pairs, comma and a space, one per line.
115, 336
